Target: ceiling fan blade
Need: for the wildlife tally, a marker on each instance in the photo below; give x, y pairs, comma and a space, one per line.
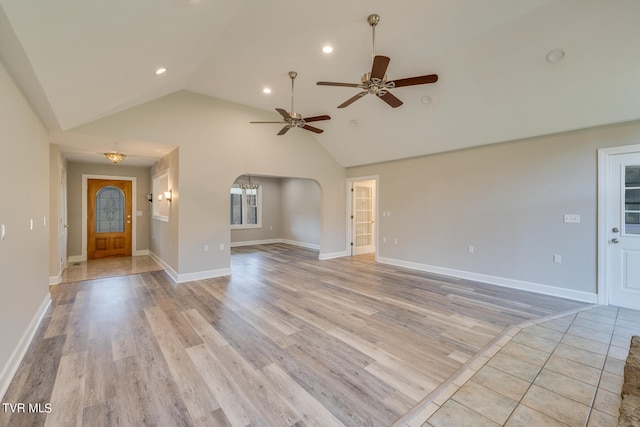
312, 129
338, 84
284, 130
420, 80
283, 113
267, 122
379, 68
391, 100
352, 99
316, 118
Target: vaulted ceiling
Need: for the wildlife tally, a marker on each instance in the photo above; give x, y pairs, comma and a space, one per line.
80, 60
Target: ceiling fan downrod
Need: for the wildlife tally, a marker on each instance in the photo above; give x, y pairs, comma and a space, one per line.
373, 20
293, 114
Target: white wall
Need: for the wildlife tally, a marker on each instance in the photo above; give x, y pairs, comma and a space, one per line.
24, 253
217, 144
507, 201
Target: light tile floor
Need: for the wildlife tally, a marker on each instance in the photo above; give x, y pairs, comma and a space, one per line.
563, 371
108, 267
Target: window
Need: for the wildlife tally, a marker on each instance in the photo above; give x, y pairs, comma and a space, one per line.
110, 210
246, 207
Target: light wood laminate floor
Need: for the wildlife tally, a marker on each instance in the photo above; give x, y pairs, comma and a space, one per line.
286, 340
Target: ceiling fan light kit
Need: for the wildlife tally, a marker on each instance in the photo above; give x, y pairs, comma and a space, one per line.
375, 82
293, 119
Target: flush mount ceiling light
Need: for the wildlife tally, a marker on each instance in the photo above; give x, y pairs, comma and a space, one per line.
160, 71
115, 157
555, 55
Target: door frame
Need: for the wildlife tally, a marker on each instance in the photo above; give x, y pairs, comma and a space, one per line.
349, 210
603, 215
134, 215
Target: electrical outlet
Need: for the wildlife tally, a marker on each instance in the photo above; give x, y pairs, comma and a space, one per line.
471, 249
206, 248
557, 259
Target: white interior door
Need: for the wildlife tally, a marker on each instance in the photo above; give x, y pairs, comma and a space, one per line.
363, 217
63, 221
623, 250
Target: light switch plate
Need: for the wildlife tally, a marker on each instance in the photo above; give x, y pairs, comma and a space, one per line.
572, 218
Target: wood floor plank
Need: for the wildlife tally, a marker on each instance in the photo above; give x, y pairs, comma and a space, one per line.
199, 401
287, 340
236, 405
68, 391
308, 409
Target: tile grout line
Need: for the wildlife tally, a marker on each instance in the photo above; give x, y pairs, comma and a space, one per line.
593, 399
438, 391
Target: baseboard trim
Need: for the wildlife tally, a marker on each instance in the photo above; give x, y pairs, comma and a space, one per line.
10, 368
273, 241
201, 275
332, 255
301, 244
255, 242
166, 267
54, 280
75, 258
495, 280
141, 252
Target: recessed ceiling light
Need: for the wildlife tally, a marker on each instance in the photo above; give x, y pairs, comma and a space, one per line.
160, 70
353, 123
266, 90
426, 99
327, 49
555, 56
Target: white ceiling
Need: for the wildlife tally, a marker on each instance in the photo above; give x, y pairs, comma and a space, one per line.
80, 60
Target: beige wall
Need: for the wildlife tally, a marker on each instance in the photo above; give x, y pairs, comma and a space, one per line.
24, 253
217, 144
75, 171
165, 235
506, 200
301, 211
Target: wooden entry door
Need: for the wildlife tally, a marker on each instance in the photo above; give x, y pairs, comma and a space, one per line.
108, 218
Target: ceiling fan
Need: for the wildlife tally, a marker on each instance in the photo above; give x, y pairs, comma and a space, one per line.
375, 82
293, 119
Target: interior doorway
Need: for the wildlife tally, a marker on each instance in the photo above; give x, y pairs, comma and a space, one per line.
362, 235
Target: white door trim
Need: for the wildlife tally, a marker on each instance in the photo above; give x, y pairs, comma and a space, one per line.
349, 209
603, 215
133, 179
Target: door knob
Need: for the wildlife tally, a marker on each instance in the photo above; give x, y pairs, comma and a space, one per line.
615, 229
615, 240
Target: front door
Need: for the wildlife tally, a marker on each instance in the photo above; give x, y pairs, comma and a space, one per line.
623, 260
108, 218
